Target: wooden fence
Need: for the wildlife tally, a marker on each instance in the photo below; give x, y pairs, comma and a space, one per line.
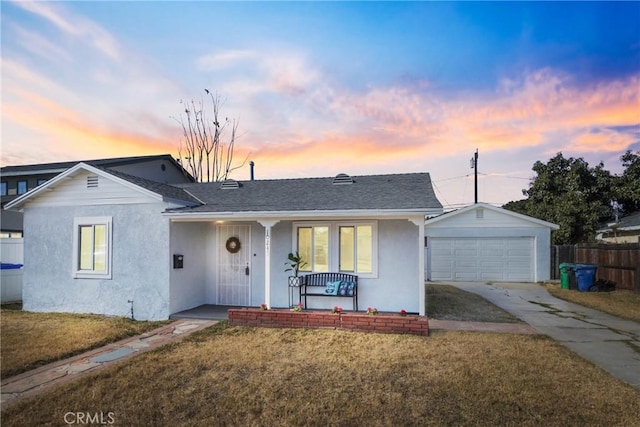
619, 263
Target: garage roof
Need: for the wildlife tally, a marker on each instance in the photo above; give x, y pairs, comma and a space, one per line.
449, 215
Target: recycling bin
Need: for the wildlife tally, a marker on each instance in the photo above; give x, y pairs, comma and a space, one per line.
586, 277
566, 270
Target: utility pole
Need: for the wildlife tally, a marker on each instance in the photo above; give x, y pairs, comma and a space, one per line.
474, 166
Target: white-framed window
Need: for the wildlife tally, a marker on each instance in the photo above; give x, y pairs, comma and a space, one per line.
92, 247
356, 248
349, 247
313, 246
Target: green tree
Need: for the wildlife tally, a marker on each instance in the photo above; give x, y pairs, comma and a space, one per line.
571, 194
627, 186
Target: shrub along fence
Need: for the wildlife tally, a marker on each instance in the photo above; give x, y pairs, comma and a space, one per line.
619, 263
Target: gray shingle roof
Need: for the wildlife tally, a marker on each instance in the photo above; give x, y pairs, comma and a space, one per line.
412, 191
631, 220
165, 190
117, 161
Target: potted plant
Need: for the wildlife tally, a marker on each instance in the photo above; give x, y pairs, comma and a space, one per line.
295, 263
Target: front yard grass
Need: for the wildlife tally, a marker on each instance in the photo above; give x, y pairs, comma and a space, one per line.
446, 302
624, 304
236, 376
29, 340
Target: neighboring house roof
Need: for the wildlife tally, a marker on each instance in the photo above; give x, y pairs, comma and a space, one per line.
60, 167
410, 192
158, 190
507, 212
628, 223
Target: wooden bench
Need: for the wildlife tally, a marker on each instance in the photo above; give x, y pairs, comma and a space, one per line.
314, 285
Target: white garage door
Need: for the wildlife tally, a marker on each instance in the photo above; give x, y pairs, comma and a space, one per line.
482, 259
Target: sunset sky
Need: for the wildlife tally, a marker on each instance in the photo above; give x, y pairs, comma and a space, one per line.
322, 88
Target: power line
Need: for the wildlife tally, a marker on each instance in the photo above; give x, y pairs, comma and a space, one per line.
504, 176
439, 191
483, 174
454, 177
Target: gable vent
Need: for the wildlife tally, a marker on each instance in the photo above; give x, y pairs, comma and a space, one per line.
230, 184
479, 213
92, 181
342, 178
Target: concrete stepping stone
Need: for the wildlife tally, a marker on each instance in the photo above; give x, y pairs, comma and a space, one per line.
137, 344
76, 368
181, 329
113, 355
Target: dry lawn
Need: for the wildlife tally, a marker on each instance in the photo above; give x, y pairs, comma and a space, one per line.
29, 340
446, 302
624, 304
232, 376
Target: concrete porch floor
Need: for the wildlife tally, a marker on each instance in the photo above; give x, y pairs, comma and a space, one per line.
205, 312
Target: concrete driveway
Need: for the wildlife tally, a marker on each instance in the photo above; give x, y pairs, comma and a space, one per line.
607, 341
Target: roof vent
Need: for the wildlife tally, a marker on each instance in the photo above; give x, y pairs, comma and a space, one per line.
230, 184
342, 178
92, 181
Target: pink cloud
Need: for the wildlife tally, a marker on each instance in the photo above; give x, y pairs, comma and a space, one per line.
603, 140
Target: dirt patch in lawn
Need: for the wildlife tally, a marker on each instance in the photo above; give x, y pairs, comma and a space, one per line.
30, 340
445, 302
236, 376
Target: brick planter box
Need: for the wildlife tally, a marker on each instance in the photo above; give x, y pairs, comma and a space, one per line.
380, 323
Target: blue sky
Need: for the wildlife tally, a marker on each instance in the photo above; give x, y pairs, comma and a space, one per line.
327, 87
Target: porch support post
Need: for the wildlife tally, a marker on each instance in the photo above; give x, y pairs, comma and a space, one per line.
267, 224
419, 221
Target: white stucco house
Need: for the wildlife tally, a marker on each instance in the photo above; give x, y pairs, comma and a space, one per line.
484, 243
102, 241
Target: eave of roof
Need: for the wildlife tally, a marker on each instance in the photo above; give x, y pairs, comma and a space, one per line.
295, 215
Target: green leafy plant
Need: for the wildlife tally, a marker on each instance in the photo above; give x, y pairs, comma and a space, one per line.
336, 309
264, 306
372, 311
297, 308
295, 263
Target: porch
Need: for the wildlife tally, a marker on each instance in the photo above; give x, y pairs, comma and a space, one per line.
204, 312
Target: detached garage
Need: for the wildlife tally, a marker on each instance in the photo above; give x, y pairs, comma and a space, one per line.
485, 243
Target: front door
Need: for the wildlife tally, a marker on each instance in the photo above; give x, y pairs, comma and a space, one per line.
234, 265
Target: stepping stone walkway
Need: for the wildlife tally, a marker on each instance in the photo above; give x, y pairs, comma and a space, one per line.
31, 383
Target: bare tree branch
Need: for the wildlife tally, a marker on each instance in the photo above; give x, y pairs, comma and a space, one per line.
202, 150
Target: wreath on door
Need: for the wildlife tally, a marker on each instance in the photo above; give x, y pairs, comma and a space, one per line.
233, 245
